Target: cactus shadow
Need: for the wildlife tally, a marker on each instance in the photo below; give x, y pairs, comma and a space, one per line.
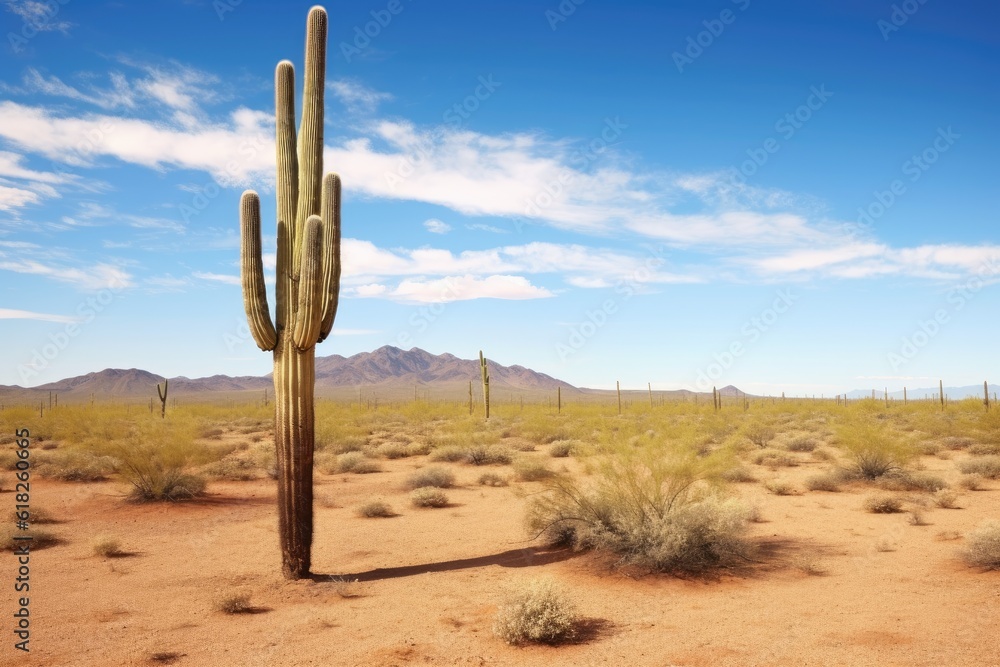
515, 558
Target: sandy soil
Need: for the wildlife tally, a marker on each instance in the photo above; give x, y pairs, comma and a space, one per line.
429, 582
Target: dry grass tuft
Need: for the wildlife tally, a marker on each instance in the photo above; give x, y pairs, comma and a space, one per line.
882, 503
983, 546
428, 496
376, 509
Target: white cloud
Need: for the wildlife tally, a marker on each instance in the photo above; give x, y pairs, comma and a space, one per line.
96, 277
217, 277
11, 314
435, 226
14, 198
356, 96
39, 15
455, 288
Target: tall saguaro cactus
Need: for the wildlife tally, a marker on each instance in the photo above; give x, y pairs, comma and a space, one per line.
307, 288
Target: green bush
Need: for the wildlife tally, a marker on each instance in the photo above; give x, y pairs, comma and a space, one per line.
874, 447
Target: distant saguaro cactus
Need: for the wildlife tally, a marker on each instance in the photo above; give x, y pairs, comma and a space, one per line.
163, 397
307, 288
486, 382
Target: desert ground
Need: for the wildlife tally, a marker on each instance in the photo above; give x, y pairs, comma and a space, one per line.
828, 582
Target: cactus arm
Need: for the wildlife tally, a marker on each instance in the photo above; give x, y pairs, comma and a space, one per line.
163, 394
252, 273
311, 130
330, 291
287, 190
309, 314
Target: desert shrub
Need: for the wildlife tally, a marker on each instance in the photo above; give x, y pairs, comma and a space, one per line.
916, 518
757, 432
481, 455
946, 499
392, 450
780, 487
449, 454
774, 458
108, 547
211, 433
428, 496
40, 539
76, 466
651, 509
986, 466
929, 448
738, 474
983, 546
957, 442
972, 482
802, 443
531, 470
875, 449
908, 481
984, 448
35, 515
357, 463
561, 448
883, 504
375, 509
824, 454
492, 479
539, 612
828, 481
152, 457
441, 478
233, 469
233, 603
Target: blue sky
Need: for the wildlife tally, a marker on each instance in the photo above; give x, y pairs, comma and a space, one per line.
783, 196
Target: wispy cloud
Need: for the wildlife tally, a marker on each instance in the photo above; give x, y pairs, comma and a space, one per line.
454, 288
38, 15
11, 314
217, 277
435, 226
95, 277
356, 96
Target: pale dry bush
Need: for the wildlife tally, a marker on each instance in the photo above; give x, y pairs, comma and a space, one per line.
780, 487
946, 499
107, 546
983, 546
883, 504
538, 612
375, 509
972, 482
233, 603
828, 481
428, 496
651, 509
986, 466
441, 478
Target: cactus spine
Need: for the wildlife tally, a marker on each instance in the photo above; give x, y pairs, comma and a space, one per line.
163, 398
486, 382
307, 287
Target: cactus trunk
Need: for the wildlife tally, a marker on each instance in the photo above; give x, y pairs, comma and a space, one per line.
294, 381
307, 286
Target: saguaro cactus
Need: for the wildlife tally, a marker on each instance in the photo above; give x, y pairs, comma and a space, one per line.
307, 287
163, 398
486, 382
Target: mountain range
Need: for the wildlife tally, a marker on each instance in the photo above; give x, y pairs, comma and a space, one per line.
386, 371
